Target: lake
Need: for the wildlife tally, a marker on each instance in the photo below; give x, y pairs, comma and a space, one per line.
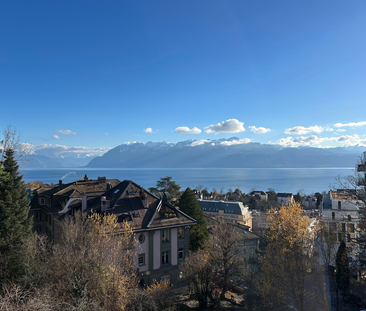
311, 180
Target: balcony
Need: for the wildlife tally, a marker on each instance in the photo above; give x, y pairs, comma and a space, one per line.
361, 168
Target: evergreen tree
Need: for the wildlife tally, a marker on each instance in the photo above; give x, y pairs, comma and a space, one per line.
14, 204
342, 268
167, 184
14, 221
198, 234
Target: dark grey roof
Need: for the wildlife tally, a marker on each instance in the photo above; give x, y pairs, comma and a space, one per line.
257, 192
284, 195
231, 207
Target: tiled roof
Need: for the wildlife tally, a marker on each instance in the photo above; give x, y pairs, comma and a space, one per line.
126, 200
127, 203
61, 193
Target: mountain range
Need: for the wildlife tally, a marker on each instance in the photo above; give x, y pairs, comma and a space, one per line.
223, 153
220, 153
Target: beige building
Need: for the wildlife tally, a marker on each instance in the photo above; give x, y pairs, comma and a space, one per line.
231, 211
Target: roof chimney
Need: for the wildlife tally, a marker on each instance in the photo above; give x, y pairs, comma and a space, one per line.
109, 186
84, 202
104, 204
143, 197
101, 179
60, 183
86, 178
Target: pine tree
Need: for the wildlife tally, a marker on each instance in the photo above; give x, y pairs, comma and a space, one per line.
198, 234
14, 204
14, 221
342, 268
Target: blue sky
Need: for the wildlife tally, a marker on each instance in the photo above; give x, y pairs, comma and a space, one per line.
101, 73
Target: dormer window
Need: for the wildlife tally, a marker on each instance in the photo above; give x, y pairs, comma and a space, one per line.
42, 201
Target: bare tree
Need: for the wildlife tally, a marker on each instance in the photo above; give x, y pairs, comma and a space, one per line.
227, 256
12, 139
221, 267
197, 271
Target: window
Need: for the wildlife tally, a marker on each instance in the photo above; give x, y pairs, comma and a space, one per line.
141, 238
141, 259
38, 216
333, 216
180, 233
165, 258
343, 227
339, 205
39, 229
349, 218
165, 278
165, 235
42, 201
351, 228
180, 254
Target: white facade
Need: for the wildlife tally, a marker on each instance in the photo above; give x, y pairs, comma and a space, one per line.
340, 222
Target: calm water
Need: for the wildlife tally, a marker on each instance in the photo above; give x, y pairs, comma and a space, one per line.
281, 179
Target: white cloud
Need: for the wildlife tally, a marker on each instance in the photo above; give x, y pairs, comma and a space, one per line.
64, 151
228, 126
259, 130
340, 130
106, 134
315, 141
187, 130
329, 129
66, 132
236, 142
350, 124
148, 130
56, 136
352, 140
301, 130
200, 142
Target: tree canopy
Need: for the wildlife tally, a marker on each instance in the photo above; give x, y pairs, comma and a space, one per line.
287, 260
167, 184
14, 221
198, 233
14, 204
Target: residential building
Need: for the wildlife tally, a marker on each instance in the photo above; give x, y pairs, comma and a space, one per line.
161, 229
260, 225
341, 212
249, 241
259, 195
230, 211
285, 198
48, 202
310, 202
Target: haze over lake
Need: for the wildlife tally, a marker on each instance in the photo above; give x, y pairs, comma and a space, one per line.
311, 180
